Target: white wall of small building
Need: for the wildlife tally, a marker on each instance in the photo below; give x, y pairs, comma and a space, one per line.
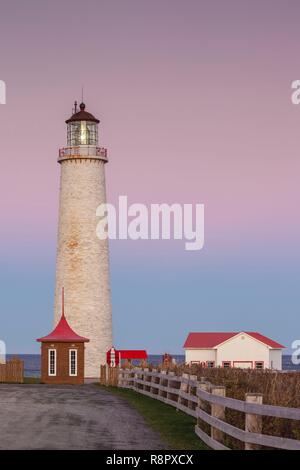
276, 359
200, 355
241, 350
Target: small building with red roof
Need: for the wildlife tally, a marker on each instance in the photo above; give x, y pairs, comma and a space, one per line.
114, 357
244, 349
62, 354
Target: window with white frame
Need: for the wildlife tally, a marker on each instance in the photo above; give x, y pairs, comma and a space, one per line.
210, 364
52, 362
226, 364
259, 365
73, 362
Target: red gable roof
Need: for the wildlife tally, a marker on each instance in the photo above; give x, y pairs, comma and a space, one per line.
265, 339
63, 333
213, 339
133, 353
206, 340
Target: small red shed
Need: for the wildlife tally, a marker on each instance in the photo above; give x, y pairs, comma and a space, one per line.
114, 356
62, 354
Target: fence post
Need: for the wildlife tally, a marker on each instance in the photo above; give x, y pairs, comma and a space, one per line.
203, 386
253, 423
120, 375
131, 378
218, 411
153, 381
183, 388
123, 377
106, 374
191, 388
116, 376
201, 403
145, 378
163, 378
137, 376
170, 375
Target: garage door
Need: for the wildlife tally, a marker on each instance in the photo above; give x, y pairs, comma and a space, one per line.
243, 364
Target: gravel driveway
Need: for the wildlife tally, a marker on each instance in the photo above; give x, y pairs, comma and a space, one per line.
70, 417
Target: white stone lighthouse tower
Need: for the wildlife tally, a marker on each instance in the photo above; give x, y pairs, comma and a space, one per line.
82, 265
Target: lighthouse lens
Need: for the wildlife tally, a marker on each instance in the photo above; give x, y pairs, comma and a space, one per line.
82, 133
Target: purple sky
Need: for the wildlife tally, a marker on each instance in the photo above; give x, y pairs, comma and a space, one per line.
194, 102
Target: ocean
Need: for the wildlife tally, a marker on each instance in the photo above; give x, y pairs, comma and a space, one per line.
33, 369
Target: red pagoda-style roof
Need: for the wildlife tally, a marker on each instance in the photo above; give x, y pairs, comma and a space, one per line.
63, 333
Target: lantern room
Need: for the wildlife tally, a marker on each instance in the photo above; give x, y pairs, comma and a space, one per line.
82, 128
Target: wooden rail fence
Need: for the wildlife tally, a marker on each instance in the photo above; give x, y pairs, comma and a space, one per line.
12, 371
195, 397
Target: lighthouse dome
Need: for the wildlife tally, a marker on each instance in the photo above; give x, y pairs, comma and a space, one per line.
82, 115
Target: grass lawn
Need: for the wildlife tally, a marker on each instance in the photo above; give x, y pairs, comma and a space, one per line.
175, 427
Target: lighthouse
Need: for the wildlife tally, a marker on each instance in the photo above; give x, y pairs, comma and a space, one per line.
82, 263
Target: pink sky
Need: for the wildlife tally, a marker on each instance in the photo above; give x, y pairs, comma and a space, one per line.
194, 102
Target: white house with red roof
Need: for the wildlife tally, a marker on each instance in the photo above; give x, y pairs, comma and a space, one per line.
245, 349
